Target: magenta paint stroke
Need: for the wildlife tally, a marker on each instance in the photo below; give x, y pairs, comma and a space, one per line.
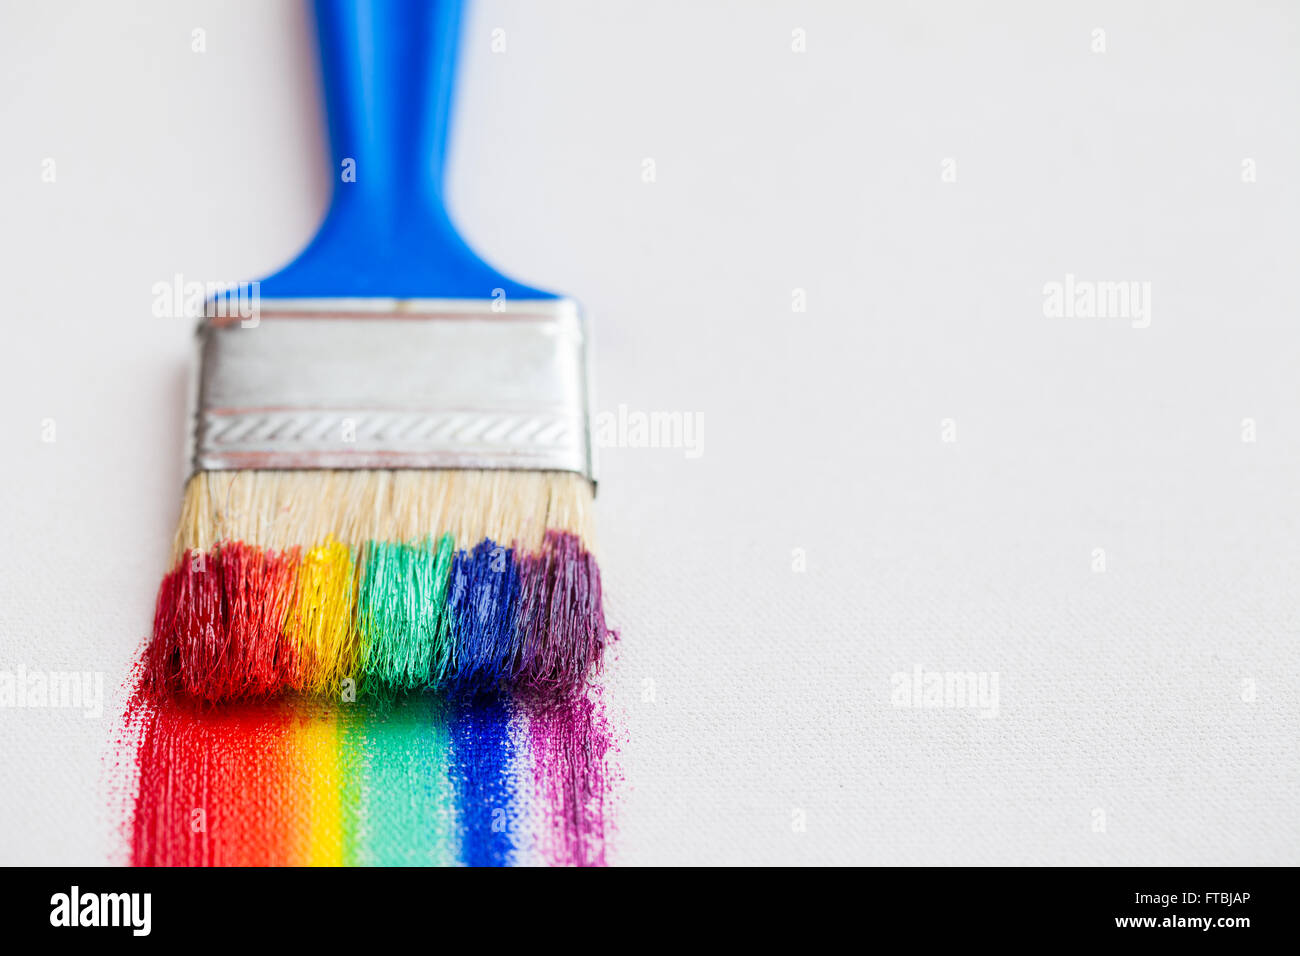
572, 748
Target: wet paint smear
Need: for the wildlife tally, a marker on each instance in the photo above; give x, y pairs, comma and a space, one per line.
572, 746
483, 769
397, 795
218, 788
411, 781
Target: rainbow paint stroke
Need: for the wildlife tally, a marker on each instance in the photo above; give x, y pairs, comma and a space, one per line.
416, 780
240, 622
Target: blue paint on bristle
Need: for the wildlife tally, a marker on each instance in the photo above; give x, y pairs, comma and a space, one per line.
483, 765
482, 597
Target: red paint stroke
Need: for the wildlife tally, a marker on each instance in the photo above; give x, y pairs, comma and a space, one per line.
216, 786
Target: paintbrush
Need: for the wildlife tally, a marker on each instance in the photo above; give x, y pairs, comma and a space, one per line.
392, 459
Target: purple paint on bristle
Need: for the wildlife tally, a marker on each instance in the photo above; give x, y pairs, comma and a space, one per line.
571, 745
560, 619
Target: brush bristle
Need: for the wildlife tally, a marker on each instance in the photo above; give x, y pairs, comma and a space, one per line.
325, 582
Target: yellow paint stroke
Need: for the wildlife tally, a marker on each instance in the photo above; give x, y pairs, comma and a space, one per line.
318, 745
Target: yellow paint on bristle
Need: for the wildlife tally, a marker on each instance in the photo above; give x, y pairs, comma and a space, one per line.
318, 741
320, 623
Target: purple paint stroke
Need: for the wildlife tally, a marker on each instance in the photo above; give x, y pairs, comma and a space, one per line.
572, 746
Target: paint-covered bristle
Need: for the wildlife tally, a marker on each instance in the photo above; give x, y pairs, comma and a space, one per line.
320, 620
481, 599
376, 582
401, 611
561, 616
257, 588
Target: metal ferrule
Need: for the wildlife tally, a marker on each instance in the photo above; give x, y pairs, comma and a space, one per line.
386, 383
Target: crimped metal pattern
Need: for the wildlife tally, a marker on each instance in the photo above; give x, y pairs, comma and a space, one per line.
428, 384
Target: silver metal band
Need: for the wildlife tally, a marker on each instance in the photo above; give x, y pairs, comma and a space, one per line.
377, 383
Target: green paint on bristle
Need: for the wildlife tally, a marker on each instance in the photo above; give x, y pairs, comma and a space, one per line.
401, 613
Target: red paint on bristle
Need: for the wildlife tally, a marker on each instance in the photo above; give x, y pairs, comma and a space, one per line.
160, 657
200, 625
187, 619
257, 588
219, 626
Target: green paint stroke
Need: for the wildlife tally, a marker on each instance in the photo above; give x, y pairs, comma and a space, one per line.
398, 800
401, 617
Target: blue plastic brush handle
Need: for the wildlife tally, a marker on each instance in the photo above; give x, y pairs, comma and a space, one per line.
389, 68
